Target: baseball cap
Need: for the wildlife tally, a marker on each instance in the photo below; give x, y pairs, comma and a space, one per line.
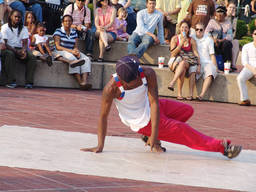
127, 68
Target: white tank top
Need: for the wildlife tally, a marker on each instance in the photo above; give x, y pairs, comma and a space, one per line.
133, 108
40, 39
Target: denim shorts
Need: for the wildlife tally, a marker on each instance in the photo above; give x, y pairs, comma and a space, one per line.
113, 34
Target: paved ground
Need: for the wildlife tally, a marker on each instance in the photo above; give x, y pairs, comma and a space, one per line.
74, 110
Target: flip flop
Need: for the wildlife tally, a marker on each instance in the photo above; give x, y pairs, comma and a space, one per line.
49, 60
171, 88
180, 98
189, 98
77, 63
198, 98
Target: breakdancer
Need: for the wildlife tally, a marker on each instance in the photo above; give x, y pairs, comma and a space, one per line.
135, 93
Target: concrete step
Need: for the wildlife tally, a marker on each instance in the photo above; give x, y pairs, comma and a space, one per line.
224, 88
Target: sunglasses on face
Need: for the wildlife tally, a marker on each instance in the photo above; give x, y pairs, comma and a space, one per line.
199, 29
81, 0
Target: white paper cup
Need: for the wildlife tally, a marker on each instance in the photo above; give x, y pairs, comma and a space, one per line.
227, 66
161, 62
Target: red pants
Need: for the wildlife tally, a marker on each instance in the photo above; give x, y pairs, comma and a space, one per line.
172, 128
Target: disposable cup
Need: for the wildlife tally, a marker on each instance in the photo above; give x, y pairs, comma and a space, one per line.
227, 67
161, 62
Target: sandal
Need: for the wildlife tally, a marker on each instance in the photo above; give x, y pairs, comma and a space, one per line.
170, 88
145, 139
100, 59
199, 98
180, 98
86, 87
189, 98
77, 63
49, 60
108, 48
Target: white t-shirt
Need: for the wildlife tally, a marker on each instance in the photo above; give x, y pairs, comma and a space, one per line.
205, 48
249, 54
40, 39
12, 37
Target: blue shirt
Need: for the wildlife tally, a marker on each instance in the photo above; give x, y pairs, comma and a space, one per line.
147, 22
67, 41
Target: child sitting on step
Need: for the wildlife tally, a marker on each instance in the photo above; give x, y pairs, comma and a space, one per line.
121, 24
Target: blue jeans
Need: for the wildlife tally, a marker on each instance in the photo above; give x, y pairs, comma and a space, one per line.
138, 44
35, 8
89, 41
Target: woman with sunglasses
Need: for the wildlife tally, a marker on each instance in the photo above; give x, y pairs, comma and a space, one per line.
205, 47
184, 60
105, 25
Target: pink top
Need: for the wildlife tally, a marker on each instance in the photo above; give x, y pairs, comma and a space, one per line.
105, 19
78, 15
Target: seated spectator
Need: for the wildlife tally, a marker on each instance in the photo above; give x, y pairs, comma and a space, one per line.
200, 11
221, 31
15, 36
205, 47
249, 70
105, 25
131, 18
81, 15
147, 21
30, 23
26, 5
170, 10
66, 40
138, 5
121, 24
183, 12
115, 4
231, 13
2, 47
184, 60
42, 48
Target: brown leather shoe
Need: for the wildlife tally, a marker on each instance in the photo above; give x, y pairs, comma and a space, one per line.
245, 103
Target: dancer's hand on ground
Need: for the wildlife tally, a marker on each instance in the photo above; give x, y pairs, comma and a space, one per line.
93, 149
155, 146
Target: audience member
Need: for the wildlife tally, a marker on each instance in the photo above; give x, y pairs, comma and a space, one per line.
2, 47
42, 48
81, 15
117, 5
221, 31
249, 70
121, 24
105, 25
183, 12
231, 13
184, 60
200, 11
30, 23
23, 5
147, 21
15, 36
66, 40
170, 10
131, 18
205, 47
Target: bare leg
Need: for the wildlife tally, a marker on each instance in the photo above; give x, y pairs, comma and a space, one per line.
192, 80
104, 38
2, 11
206, 85
78, 78
180, 83
102, 48
84, 78
182, 66
64, 60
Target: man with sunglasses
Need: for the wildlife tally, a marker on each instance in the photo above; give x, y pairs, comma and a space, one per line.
205, 47
81, 15
249, 70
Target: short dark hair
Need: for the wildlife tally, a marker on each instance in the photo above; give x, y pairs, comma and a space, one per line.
149, 0
62, 20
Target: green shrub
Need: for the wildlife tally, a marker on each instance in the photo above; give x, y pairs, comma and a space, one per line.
245, 40
241, 29
252, 26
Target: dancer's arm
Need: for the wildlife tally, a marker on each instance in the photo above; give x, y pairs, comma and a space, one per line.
107, 99
154, 106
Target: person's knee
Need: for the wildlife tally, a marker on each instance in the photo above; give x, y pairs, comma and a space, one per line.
240, 79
